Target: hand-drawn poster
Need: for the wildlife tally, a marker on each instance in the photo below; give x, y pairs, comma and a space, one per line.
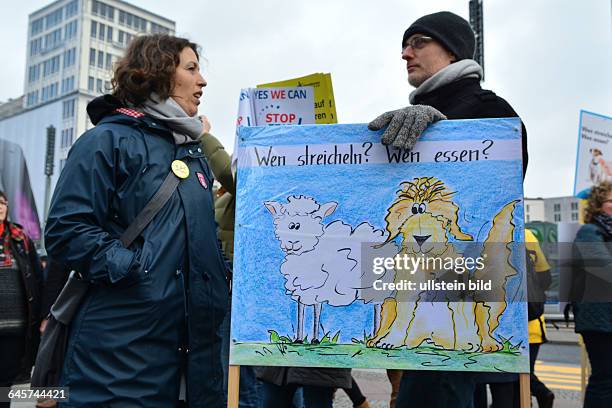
349, 253
594, 158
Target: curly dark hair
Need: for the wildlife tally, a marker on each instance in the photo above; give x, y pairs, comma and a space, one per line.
148, 66
599, 194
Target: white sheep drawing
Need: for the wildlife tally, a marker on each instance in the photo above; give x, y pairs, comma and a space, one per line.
322, 262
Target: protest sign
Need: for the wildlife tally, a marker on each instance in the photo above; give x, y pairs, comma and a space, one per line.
326, 214
324, 103
594, 158
275, 106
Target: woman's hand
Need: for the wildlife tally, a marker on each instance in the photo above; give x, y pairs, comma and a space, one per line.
205, 124
43, 325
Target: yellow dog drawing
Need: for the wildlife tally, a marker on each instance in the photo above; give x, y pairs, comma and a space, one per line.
424, 216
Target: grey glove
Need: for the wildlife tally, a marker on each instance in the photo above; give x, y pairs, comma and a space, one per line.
405, 125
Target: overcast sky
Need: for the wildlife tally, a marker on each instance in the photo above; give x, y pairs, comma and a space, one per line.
549, 59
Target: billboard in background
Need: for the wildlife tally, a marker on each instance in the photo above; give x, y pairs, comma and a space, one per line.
594, 157
15, 182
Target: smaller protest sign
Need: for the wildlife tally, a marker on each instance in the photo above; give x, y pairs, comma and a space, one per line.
594, 158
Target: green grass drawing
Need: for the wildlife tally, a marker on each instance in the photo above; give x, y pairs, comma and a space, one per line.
283, 351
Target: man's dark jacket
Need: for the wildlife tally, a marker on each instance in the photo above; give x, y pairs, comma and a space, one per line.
465, 99
462, 99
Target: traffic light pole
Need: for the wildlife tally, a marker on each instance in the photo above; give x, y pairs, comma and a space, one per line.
49, 158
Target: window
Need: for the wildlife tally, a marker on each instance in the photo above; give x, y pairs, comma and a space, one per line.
132, 21
527, 207
109, 34
159, 29
124, 38
54, 18
67, 84
72, 8
527, 218
107, 86
51, 66
69, 57
90, 84
70, 30
109, 61
67, 137
574, 216
102, 9
557, 217
53, 39
574, 206
49, 92
62, 164
68, 109
34, 73
101, 31
94, 29
37, 26
35, 46
557, 207
99, 86
32, 98
100, 59
92, 57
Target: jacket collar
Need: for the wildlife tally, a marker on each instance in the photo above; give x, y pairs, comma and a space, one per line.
103, 109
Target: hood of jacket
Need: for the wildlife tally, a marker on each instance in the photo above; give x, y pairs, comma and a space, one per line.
101, 107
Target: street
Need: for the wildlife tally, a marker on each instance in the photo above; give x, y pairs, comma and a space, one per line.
558, 366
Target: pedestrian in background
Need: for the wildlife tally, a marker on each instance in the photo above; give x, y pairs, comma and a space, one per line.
152, 313
593, 311
20, 279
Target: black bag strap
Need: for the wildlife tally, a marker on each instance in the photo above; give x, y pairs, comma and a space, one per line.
155, 204
67, 303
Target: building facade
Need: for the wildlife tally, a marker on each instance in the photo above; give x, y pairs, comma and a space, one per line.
71, 48
554, 209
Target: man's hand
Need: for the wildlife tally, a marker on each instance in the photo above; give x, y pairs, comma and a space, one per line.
205, 124
405, 125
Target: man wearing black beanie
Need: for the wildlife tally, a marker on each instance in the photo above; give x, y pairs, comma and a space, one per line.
438, 49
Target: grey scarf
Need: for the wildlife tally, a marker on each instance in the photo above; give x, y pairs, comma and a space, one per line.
184, 128
457, 70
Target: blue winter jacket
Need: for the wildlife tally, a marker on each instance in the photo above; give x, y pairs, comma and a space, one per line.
594, 313
153, 309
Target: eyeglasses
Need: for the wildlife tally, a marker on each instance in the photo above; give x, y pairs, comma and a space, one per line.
416, 43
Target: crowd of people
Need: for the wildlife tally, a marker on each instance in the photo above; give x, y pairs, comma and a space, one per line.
153, 328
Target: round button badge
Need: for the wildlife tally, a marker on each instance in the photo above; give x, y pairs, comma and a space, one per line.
180, 169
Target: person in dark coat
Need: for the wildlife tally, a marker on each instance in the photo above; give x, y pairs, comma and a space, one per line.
20, 316
593, 306
152, 312
438, 49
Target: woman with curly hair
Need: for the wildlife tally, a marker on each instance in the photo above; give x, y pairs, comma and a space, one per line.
593, 306
150, 319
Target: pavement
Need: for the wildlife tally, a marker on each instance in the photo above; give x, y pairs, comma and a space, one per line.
563, 378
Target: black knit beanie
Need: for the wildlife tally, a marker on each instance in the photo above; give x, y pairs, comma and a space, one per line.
452, 31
